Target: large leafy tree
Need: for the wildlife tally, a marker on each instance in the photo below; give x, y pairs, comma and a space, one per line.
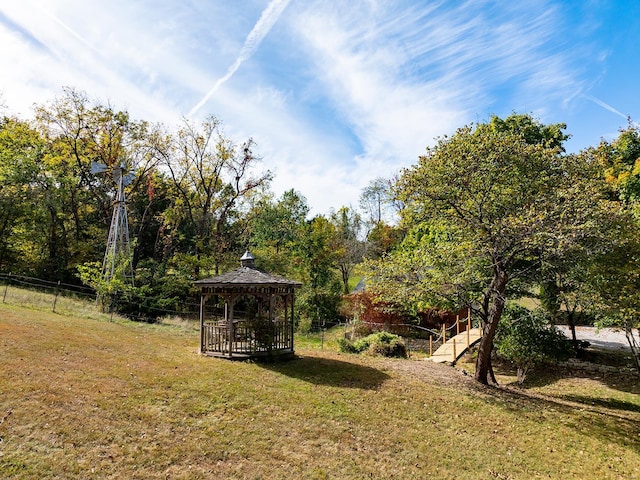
210, 176
349, 247
307, 250
614, 287
531, 130
614, 277
316, 259
275, 228
620, 161
21, 151
493, 206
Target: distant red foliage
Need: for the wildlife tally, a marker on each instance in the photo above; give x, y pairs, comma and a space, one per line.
372, 311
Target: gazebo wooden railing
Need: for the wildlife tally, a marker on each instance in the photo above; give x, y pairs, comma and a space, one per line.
245, 339
266, 331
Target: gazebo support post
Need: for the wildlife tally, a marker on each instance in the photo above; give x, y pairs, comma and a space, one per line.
229, 318
274, 333
291, 321
203, 300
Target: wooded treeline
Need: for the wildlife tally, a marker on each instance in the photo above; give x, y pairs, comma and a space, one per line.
197, 201
496, 212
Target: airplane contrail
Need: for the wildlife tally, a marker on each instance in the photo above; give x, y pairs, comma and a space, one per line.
606, 106
263, 26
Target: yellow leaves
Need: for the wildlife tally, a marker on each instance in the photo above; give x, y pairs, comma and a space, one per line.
623, 177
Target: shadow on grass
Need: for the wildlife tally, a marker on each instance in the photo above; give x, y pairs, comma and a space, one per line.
544, 375
331, 372
608, 403
550, 374
614, 421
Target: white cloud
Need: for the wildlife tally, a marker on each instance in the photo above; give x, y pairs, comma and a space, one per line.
388, 76
402, 75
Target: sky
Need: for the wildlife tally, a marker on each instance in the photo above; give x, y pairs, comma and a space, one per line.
335, 93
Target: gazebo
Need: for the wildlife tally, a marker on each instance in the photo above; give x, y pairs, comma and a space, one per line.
258, 313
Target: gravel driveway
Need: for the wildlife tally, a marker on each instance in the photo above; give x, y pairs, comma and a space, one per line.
603, 338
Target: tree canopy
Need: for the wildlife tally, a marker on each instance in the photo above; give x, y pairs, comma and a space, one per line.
488, 207
494, 212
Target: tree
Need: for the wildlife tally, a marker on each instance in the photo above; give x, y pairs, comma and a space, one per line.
210, 175
275, 227
620, 162
78, 203
499, 206
315, 258
21, 152
350, 249
531, 130
375, 199
614, 276
615, 289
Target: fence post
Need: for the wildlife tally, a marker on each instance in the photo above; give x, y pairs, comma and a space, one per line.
444, 333
430, 345
55, 299
468, 330
458, 324
454, 350
6, 287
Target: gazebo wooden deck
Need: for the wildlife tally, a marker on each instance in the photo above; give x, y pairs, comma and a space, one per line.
265, 329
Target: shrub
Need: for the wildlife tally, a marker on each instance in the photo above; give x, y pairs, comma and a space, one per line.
346, 346
381, 343
527, 338
394, 348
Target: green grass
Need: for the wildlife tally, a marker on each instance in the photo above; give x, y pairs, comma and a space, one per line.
90, 398
353, 282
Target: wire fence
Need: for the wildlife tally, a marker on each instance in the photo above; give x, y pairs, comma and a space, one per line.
79, 300
70, 299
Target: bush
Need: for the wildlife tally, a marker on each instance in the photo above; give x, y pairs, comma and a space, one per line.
527, 338
381, 344
346, 346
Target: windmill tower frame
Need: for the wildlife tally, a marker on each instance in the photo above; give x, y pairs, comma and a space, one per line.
118, 251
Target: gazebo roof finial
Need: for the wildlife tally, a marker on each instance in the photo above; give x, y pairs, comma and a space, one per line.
248, 260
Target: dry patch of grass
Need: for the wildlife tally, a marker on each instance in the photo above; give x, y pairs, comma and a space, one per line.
99, 399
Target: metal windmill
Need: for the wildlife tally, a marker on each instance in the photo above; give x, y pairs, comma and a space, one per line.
118, 251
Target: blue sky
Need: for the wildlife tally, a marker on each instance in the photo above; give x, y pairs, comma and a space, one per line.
334, 92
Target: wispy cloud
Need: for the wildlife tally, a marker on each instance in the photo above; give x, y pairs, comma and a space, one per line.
341, 93
265, 23
403, 74
606, 106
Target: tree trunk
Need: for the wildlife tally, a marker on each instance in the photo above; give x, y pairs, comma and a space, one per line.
571, 322
345, 279
496, 306
572, 326
635, 348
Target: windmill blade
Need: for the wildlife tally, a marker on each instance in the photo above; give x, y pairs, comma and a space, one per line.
128, 179
97, 167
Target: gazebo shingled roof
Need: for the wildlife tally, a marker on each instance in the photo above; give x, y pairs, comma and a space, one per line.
264, 335
245, 276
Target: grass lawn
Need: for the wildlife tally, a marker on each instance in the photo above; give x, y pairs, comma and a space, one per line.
89, 398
